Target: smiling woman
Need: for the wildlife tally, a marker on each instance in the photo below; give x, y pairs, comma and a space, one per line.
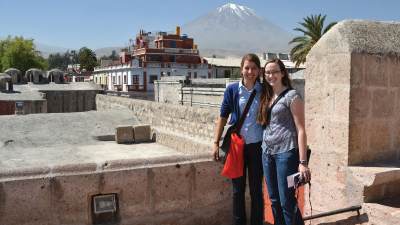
234, 103
284, 141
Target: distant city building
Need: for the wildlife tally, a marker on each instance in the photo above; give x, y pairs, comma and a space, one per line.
152, 57
75, 74
230, 67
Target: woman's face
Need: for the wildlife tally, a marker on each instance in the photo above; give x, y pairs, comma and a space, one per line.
250, 71
273, 74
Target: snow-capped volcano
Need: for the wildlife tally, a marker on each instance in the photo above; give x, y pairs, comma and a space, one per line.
239, 10
233, 27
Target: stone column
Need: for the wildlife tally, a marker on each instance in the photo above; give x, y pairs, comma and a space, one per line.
352, 89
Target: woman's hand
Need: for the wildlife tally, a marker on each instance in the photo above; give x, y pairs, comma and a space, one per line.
216, 152
305, 172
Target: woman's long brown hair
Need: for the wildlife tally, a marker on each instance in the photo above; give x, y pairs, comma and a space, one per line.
267, 92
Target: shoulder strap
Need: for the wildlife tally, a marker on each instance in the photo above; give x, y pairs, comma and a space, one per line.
245, 111
276, 101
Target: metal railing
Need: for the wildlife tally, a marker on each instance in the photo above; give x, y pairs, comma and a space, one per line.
334, 212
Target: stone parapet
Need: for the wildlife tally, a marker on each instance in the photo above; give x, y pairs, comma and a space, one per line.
197, 123
159, 193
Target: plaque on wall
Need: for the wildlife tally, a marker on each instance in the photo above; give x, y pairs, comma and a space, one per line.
104, 203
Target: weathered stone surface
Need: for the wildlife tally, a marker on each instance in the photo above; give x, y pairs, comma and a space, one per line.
392, 66
360, 36
351, 105
357, 69
360, 102
156, 194
142, 133
383, 103
186, 120
378, 134
124, 134
375, 75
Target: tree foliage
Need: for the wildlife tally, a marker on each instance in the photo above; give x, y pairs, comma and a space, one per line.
61, 61
87, 59
313, 29
20, 53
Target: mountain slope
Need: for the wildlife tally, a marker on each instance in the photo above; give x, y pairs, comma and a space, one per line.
237, 28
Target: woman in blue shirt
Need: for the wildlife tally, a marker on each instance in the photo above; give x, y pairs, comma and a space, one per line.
235, 98
284, 142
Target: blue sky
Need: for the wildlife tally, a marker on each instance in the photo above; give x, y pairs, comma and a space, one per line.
105, 23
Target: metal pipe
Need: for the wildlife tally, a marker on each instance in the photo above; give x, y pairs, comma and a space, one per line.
334, 212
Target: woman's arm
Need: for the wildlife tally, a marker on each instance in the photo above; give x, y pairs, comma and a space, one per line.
297, 108
219, 128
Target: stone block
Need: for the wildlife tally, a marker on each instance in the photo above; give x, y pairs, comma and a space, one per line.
341, 102
26, 205
393, 70
379, 137
375, 75
207, 177
142, 133
338, 68
133, 191
124, 134
357, 141
360, 102
395, 137
383, 103
357, 69
71, 195
172, 188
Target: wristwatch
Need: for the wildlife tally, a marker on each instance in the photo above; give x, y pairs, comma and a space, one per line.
303, 162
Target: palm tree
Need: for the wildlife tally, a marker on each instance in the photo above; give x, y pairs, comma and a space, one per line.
312, 29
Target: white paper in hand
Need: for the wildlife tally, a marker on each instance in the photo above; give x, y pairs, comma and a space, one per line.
290, 179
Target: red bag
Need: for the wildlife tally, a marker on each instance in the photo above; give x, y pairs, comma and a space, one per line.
234, 163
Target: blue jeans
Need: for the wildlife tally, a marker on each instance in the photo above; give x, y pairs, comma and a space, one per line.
283, 202
253, 164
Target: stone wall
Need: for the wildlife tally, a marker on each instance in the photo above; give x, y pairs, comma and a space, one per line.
374, 104
201, 92
29, 106
352, 95
167, 91
71, 101
178, 192
192, 123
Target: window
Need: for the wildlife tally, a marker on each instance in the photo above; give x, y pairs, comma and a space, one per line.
113, 78
152, 79
135, 79
195, 74
227, 73
189, 75
125, 80
168, 73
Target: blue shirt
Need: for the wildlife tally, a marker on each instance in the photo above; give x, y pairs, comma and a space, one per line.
251, 131
230, 106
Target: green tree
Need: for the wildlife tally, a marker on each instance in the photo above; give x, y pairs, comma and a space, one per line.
87, 59
312, 29
61, 61
20, 53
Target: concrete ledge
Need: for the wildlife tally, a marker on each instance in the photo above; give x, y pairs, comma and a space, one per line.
164, 194
108, 165
376, 183
183, 143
